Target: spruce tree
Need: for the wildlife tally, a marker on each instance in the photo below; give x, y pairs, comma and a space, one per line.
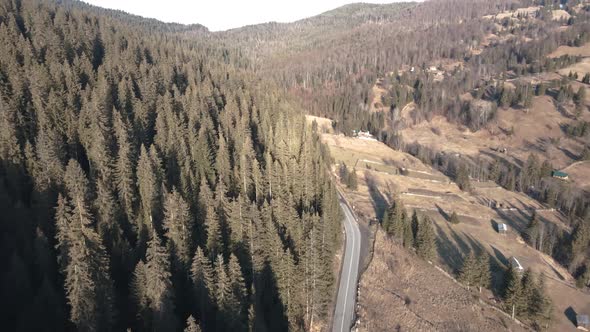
222, 161
484, 276
426, 240
343, 172
212, 223
251, 318
108, 212
506, 98
352, 181
514, 301
470, 271
178, 225
580, 96
540, 306
124, 168
237, 223
51, 155
192, 325
408, 233
238, 284
239, 295
148, 187
531, 234
394, 220
454, 219
415, 222
203, 281
287, 284
580, 238
158, 286
462, 178
528, 286
88, 285
224, 297
246, 159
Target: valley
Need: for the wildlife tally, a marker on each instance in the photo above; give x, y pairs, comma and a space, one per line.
395, 277
406, 166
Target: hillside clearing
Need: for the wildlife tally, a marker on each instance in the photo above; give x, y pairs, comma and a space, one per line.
324, 124
582, 51
517, 130
388, 281
560, 14
580, 174
401, 292
581, 68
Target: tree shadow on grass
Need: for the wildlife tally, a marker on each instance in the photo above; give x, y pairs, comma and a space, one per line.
463, 245
474, 244
568, 153
498, 264
442, 212
516, 221
378, 200
449, 252
571, 314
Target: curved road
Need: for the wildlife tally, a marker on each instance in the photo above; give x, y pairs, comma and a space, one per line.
346, 300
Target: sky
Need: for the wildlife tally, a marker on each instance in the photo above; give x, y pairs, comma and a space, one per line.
220, 15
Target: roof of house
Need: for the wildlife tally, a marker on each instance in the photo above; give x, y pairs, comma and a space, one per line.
582, 319
559, 174
502, 227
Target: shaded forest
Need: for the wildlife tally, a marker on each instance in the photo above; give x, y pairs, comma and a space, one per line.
149, 180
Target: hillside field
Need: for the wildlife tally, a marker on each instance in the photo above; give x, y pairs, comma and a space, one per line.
436, 196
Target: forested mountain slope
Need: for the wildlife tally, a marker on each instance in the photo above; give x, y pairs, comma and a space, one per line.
330, 61
477, 66
149, 181
330, 64
490, 93
160, 176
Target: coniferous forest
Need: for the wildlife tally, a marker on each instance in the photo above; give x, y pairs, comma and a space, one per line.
149, 180
161, 177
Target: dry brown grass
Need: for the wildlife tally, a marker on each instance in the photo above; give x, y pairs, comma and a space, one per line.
534, 132
470, 234
352, 150
582, 68
583, 51
401, 292
324, 124
475, 232
377, 92
449, 65
579, 173
560, 14
431, 298
534, 79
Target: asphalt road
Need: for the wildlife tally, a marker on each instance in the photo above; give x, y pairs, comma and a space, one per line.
346, 299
